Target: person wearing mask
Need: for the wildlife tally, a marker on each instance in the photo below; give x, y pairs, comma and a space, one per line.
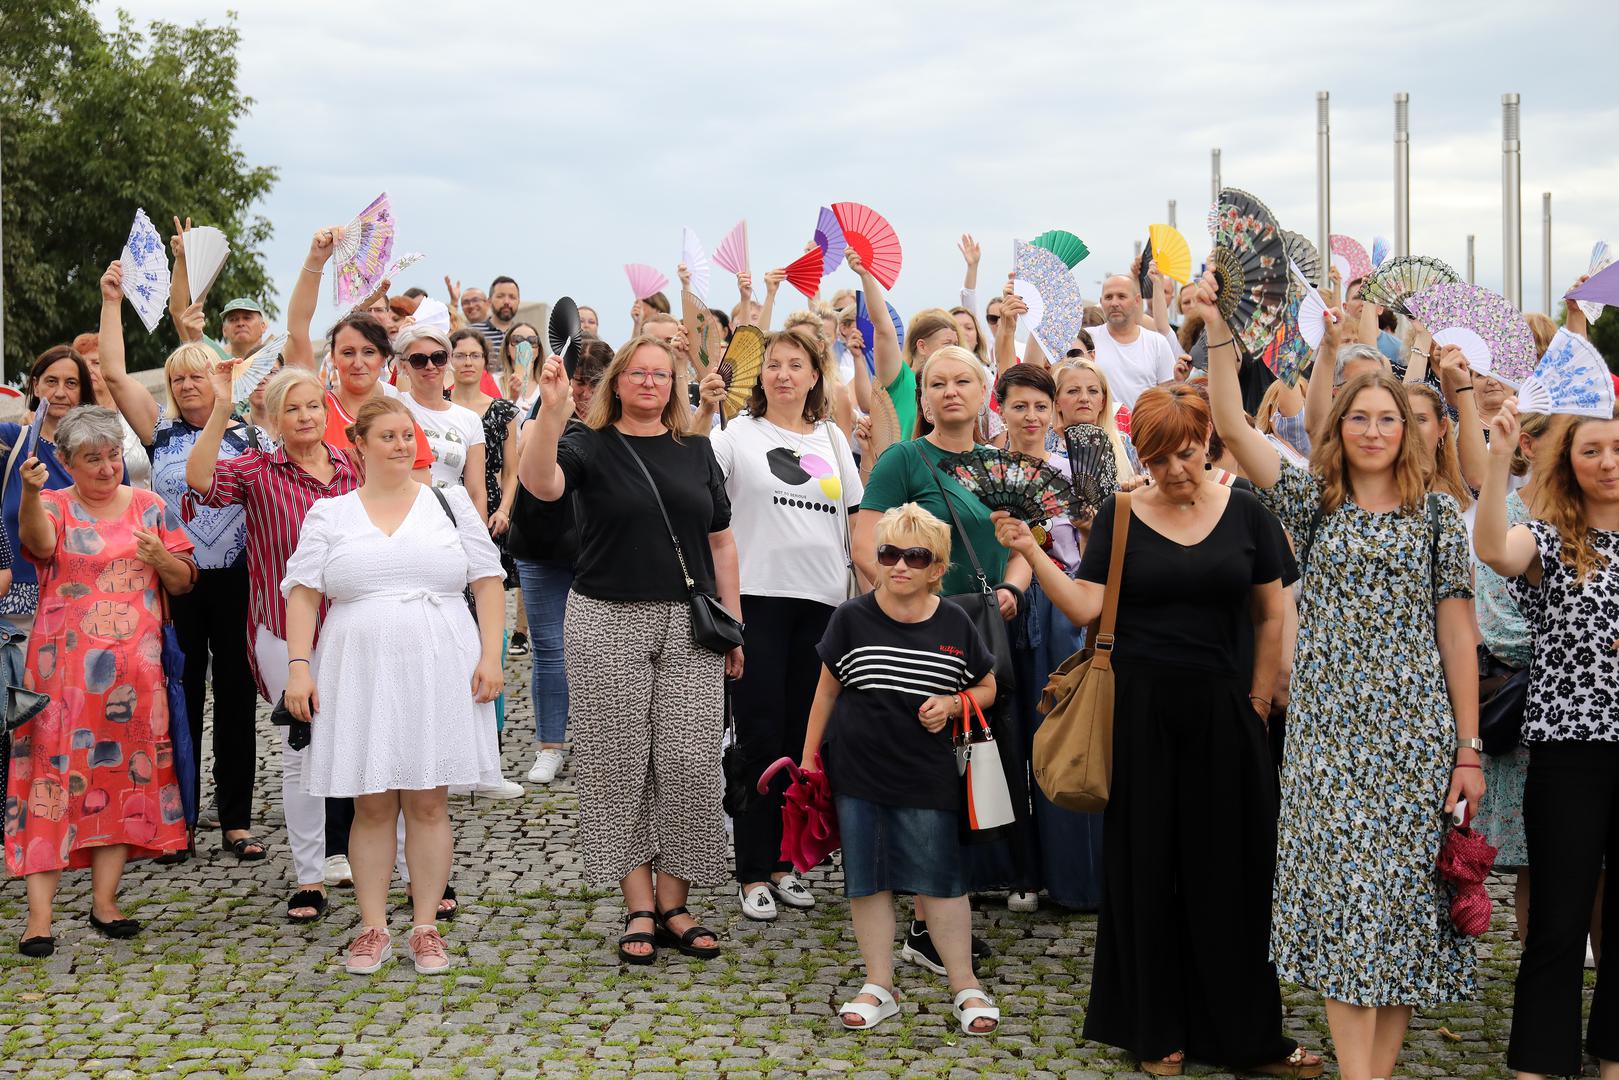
1385, 682
503, 303
1563, 569
393, 559
1132, 357
645, 701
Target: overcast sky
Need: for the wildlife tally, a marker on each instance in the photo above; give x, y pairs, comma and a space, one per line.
557, 142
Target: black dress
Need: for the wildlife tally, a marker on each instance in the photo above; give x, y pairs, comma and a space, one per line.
1189, 834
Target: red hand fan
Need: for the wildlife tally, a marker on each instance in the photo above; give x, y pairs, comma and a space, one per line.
804, 273
872, 238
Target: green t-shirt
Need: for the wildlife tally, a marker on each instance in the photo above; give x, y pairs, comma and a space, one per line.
903, 391
904, 474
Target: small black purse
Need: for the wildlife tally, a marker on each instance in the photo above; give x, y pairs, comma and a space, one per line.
298, 731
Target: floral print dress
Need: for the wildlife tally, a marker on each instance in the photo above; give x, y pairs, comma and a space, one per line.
1361, 914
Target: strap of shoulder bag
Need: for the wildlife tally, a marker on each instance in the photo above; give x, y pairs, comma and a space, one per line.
11, 462
843, 496
444, 504
680, 556
1103, 639
1433, 551
955, 519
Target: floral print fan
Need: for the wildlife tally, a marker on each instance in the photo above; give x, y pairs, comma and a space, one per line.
1486, 325
1571, 380
146, 271
1249, 262
362, 253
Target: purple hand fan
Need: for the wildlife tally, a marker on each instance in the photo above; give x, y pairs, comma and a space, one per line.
829, 238
1602, 288
1094, 467
1490, 330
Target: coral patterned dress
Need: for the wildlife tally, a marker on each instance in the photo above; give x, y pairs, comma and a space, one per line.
96, 766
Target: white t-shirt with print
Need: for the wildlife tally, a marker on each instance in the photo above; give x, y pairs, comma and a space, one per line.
790, 495
1130, 369
449, 433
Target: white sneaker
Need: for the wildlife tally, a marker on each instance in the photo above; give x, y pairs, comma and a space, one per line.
792, 892
1022, 901
546, 766
338, 873
757, 904
505, 789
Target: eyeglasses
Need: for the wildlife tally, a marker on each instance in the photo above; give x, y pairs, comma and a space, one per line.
1359, 424
527, 339
647, 375
917, 558
419, 361
473, 355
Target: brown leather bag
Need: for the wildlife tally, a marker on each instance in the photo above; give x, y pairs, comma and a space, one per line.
1073, 750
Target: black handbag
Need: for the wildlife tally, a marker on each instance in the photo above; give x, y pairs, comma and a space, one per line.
1502, 694
712, 627
298, 731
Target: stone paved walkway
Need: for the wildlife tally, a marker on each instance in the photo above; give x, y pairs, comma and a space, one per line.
221, 985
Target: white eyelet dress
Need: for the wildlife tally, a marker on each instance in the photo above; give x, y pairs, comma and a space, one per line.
398, 647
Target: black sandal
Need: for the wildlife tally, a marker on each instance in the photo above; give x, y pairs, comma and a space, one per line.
306, 898
241, 844
444, 914
639, 937
683, 942
117, 929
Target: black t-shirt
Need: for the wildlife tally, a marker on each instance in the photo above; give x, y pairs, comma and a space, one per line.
624, 548
543, 531
1188, 606
875, 746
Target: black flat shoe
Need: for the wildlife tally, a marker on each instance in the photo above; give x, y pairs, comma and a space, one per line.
118, 929
37, 947
640, 937
683, 942
313, 899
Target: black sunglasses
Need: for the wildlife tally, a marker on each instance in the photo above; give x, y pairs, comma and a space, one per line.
993, 320
419, 361
1074, 353
917, 558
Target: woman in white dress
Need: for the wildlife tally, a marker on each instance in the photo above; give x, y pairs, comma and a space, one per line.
400, 691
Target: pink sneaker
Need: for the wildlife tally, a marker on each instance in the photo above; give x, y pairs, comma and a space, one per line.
369, 952
426, 950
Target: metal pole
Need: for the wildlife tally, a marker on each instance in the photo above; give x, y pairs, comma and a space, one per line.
1471, 276
1511, 203
1172, 213
1402, 174
1546, 252
1214, 176
1323, 185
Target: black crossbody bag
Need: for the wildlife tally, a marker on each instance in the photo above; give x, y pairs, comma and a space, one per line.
712, 627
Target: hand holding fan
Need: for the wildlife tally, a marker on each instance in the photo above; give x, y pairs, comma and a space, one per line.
248, 373
1391, 284
1065, 245
829, 238
1600, 260
362, 252
1313, 313
696, 263
1249, 263
872, 238
562, 333
1602, 288
645, 280
1170, 251
146, 271
1571, 379
1025, 290
1024, 486
1093, 465
732, 254
1349, 257
804, 273
885, 430
30, 447
744, 358
1063, 313
1491, 332
206, 250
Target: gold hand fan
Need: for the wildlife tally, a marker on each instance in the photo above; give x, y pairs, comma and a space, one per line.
702, 341
744, 358
885, 430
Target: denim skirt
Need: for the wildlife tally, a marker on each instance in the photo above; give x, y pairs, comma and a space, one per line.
900, 849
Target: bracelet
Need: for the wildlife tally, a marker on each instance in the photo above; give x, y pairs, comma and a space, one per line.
1462, 390
316, 270
1419, 352
1256, 697
1223, 344
1468, 765
297, 660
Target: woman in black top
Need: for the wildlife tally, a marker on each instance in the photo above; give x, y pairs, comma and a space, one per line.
1189, 835
645, 701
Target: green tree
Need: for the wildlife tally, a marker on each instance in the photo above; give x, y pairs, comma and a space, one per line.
93, 125
1604, 334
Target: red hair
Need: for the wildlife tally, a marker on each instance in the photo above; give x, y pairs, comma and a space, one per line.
1166, 418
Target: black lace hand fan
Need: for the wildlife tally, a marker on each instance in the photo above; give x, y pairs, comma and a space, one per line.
1024, 486
1249, 262
562, 334
1302, 254
1095, 469
744, 357
1402, 277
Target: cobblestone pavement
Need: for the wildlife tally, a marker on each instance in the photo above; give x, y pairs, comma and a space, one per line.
221, 985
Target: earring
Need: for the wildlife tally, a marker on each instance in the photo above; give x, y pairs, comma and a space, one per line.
1208, 466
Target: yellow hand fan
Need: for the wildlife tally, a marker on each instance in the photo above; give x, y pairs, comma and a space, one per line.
1170, 252
744, 358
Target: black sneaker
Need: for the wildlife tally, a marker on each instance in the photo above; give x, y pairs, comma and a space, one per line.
518, 646
919, 949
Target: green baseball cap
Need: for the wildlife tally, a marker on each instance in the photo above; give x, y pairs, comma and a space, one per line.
242, 303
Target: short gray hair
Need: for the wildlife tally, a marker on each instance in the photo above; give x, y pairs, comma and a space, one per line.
86, 428
415, 332
1350, 353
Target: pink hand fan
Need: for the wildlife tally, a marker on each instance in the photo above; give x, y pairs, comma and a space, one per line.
732, 254
829, 238
362, 254
872, 238
644, 280
1488, 328
804, 273
1349, 257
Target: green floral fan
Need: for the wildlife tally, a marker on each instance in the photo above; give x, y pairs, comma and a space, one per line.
1065, 245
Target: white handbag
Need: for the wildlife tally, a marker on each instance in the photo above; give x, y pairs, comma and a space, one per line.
986, 800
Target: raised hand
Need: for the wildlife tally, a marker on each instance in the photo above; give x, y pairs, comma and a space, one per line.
219, 377
744, 283
177, 242
970, 250
33, 471
853, 259
191, 322
1504, 428
1454, 372
774, 278
556, 391
112, 282
684, 275
454, 291
323, 243
1204, 304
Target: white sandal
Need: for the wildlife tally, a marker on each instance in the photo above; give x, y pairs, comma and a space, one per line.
967, 1017
870, 1015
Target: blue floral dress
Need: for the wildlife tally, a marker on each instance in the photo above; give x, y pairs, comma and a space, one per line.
1361, 914
1511, 640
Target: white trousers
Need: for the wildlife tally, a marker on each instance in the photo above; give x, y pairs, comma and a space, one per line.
305, 813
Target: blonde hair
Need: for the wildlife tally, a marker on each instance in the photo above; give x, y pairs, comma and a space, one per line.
605, 406
1446, 474
1329, 462
811, 322
909, 525
280, 385
368, 415
1534, 425
1264, 416
1561, 502
1542, 328
1067, 370
982, 349
188, 359
926, 323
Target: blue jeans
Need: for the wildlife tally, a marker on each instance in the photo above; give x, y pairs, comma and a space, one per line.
545, 598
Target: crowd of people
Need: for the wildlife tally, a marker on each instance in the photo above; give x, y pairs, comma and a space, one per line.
1311, 581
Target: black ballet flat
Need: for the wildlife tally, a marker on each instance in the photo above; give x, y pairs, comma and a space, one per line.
37, 947
118, 929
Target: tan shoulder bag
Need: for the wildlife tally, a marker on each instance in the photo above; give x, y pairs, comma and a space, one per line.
1073, 750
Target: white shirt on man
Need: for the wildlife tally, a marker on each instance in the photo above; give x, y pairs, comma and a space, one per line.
1135, 366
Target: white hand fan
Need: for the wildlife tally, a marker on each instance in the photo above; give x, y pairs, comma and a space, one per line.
1313, 313
1472, 345
696, 260
1570, 380
206, 250
253, 370
146, 271
1601, 259
1030, 295
401, 264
